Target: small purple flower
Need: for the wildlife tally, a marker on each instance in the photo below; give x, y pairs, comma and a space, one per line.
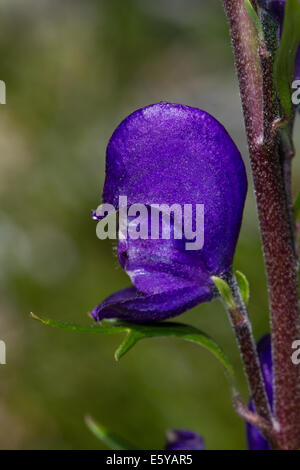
173, 154
276, 9
256, 441
180, 439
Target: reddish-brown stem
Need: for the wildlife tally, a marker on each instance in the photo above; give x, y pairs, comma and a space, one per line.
286, 154
264, 426
280, 261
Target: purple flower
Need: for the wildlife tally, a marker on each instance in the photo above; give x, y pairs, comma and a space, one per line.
180, 439
173, 154
256, 441
276, 9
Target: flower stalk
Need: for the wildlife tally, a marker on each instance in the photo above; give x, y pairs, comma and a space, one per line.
255, 420
255, 79
241, 325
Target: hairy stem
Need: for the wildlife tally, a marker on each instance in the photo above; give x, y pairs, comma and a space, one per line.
278, 247
244, 337
286, 154
264, 426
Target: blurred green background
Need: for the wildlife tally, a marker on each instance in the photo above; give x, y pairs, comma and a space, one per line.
73, 71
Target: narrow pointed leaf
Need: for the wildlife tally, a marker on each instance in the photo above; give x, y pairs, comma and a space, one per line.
137, 331
225, 292
244, 286
129, 341
297, 208
107, 437
94, 328
255, 18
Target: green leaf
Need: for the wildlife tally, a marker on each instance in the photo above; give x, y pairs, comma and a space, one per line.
104, 435
225, 292
95, 328
255, 18
137, 331
244, 286
297, 208
286, 55
175, 330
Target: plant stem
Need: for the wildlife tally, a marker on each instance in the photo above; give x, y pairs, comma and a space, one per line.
244, 337
286, 153
264, 426
278, 247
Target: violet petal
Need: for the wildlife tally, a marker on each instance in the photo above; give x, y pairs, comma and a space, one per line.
255, 439
129, 304
174, 154
180, 439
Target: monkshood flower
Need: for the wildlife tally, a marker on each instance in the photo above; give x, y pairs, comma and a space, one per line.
173, 154
256, 441
276, 9
181, 439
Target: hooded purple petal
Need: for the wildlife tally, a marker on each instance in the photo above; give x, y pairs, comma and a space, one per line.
169, 153
173, 154
179, 439
256, 441
156, 266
